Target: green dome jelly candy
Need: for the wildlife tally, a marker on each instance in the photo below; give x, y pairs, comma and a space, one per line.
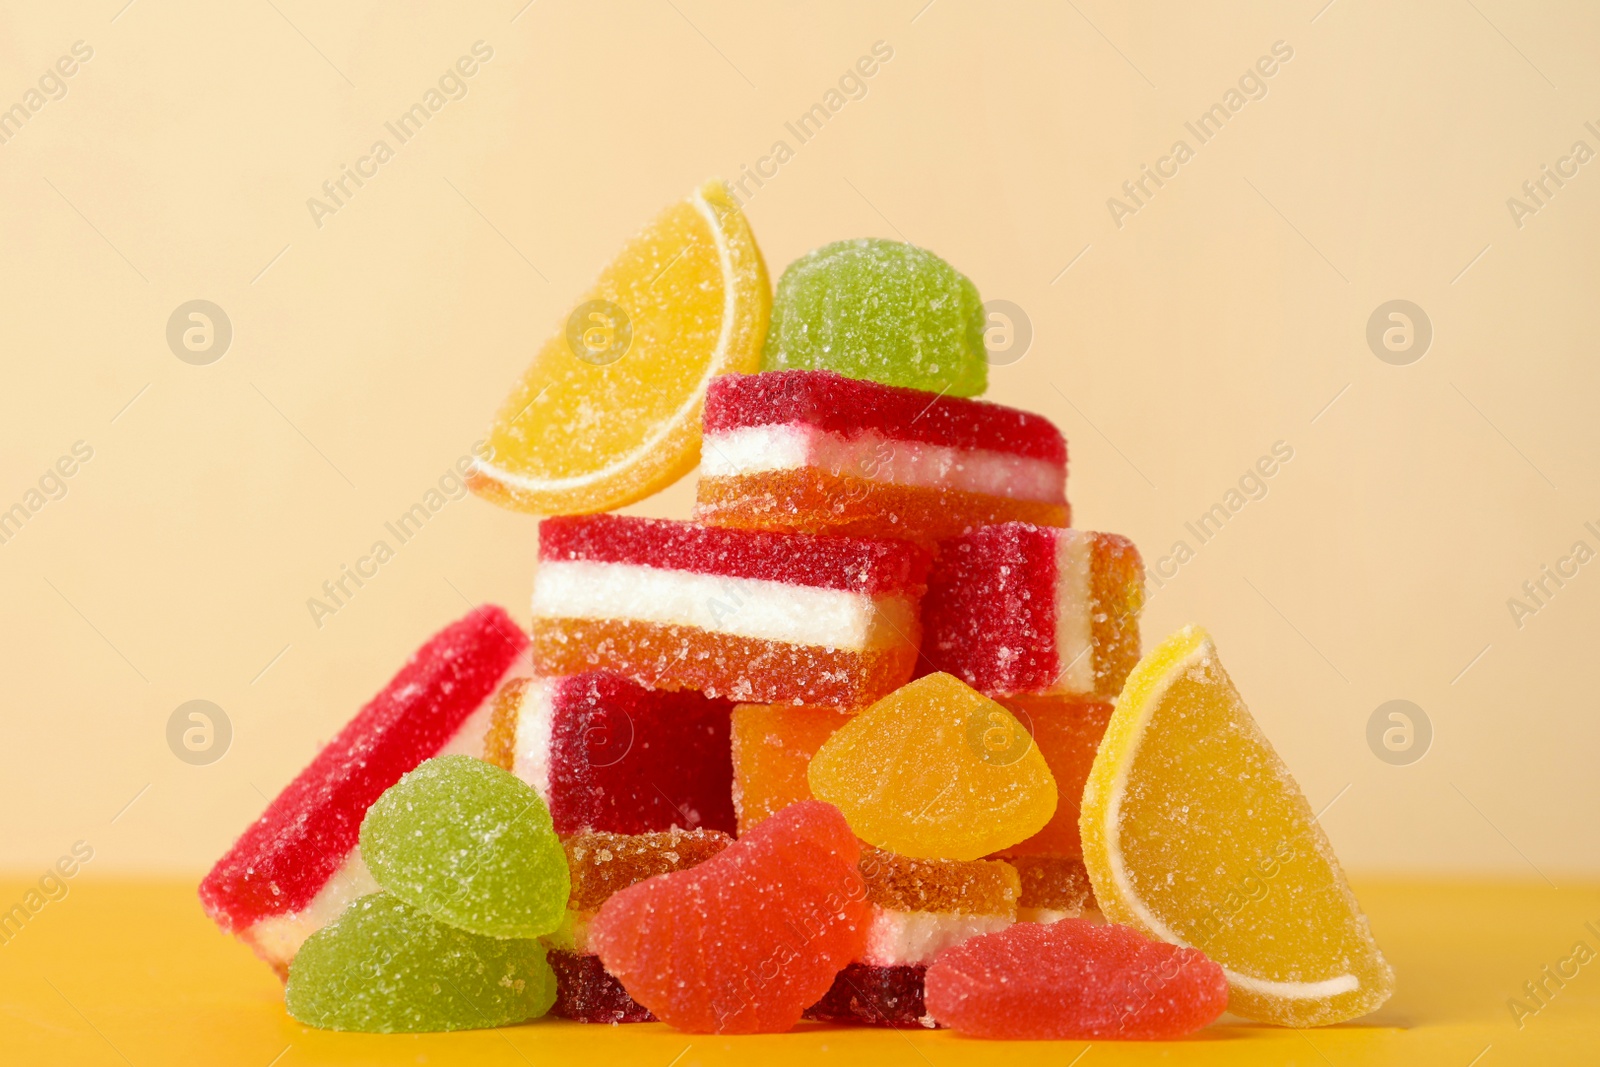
881, 310
470, 845
384, 967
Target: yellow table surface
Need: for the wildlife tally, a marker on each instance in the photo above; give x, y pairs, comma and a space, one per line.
131, 973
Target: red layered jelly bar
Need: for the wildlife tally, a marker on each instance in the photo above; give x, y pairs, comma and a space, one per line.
1018, 608
750, 615
588, 993
609, 754
811, 451
602, 864
922, 907
868, 995
294, 869
919, 909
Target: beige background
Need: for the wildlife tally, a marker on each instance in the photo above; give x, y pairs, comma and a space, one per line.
1227, 314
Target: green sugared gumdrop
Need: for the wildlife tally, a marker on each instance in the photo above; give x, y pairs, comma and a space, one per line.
881, 310
385, 967
470, 845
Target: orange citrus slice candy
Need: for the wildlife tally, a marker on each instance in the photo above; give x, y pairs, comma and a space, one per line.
609, 412
1194, 832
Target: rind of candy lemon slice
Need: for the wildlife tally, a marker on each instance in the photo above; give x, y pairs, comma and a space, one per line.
1195, 832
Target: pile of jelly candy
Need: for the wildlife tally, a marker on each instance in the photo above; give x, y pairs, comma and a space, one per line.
868, 742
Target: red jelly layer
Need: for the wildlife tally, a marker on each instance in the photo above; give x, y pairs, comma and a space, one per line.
851, 406
1073, 979
284, 858
874, 996
633, 760
851, 563
989, 615
587, 992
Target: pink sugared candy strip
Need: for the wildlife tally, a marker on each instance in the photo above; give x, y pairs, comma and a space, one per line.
606, 753
1074, 979
747, 940
1017, 608
810, 451
745, 614
295, 868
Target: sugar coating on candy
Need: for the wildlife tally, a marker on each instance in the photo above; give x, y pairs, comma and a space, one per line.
587, 993
500, 740
609, 754
609, 410
852, 564
853, 410
745, 941
820, 500
1074, 980
1067, 731
868, 995
814, 452
772, 747
881, 310
721, 665
603, 864
921, 907
974, 887
386, 967
1053, 887
936, 770
284, 860
749, 615
472, 846
1232, 860
1017, 608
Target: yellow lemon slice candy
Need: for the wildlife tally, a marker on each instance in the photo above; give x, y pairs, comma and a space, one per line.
609, 412
1194, 832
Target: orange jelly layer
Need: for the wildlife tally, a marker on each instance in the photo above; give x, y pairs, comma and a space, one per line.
602, 863
816, 501
967, 887
1116, 589
1060, 883
772, 747
500, 743
1067, 731
720, 665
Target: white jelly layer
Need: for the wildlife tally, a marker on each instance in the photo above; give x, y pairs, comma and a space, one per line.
740, 607
279, 937
1075, 658
468, 738
875, 457
906, 938
1046, 916
530, 756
